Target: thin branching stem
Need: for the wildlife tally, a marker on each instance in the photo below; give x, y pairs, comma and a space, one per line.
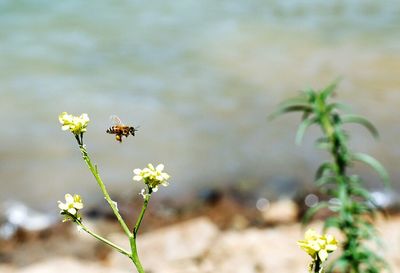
112, 204
102, 239
141, 215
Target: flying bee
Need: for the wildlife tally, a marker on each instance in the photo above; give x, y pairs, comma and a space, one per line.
119, 129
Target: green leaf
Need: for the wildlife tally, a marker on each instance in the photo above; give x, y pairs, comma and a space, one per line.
331, 222
363, 193
312, 211
337, 106
290, 108
325, 180
310, 94
305, 115
369, 160
362, 121
324, 167
302, 129
323, 143
327, 91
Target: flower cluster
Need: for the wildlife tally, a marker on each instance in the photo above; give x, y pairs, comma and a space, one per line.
152, 177
318, 246
77, 125
71, 206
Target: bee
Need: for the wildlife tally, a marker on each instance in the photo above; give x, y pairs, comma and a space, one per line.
119, 129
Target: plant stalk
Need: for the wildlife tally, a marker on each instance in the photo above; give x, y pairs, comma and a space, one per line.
112, 204
102, 239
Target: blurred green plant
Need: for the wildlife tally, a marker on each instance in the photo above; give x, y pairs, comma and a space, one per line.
151, 176
350, 202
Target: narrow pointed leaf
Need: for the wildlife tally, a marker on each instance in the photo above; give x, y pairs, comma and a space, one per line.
364, 194
291, 108
323, 143
302, 129
369, 160
325, 180
337, 106
362, 121
331, 222
325, 93
306, 115
321, 170
312, 211
310, 93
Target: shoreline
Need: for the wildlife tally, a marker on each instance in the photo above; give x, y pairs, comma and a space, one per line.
224, 214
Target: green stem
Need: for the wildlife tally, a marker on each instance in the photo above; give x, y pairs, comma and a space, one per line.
135, 257
107, 242
112, 204
131, 235
141, 215
338, 154
317, 266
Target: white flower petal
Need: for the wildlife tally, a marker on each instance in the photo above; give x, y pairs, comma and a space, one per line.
323, 255
84, 117
137, 178
160, 178
69, 199
78, 205
72, 211
62, 206
160, 167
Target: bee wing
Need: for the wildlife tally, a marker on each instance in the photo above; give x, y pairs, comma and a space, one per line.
115, 120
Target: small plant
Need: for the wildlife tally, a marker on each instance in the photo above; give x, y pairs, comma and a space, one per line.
318, 247
151, 176
352, 206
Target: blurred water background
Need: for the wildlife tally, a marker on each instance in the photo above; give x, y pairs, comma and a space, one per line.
200, 78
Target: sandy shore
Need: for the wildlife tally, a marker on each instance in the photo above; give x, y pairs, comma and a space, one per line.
197, 245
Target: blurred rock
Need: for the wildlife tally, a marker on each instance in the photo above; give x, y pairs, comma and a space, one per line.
239, 222
283, 211
63, 239
210, 196
174, 245
195, 246
16, 215
70, 265
254, 251
387, 199
6, 269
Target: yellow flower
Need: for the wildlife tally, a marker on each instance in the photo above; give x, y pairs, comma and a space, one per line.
75, 124
317, 246
72, 205
153, 177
